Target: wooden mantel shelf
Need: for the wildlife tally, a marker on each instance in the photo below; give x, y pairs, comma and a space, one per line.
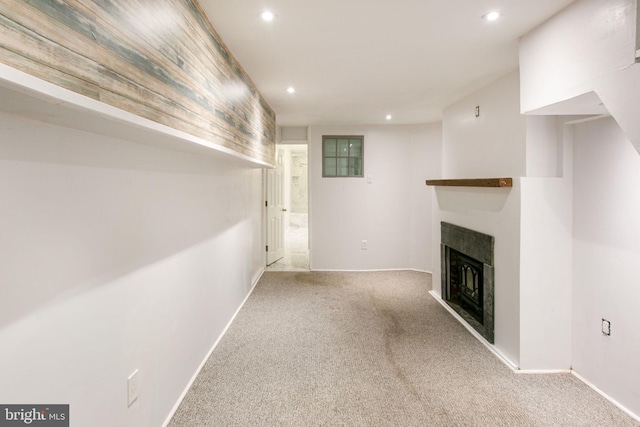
478, 182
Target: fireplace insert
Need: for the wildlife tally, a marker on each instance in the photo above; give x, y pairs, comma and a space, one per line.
468, 276
466, 284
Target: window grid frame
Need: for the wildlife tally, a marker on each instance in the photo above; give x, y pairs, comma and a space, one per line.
348, 157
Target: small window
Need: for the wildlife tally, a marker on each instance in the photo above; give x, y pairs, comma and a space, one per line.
342, 156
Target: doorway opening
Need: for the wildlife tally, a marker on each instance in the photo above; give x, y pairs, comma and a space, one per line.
295, 189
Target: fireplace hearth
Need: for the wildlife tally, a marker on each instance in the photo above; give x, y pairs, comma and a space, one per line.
467, 276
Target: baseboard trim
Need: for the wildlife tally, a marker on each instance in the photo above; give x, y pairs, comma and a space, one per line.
542, 371
606, 396
514, 368
501, 356
204, 361
330, 270
504, 359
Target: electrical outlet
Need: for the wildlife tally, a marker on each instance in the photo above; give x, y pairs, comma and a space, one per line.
606, 327
363, 245
133, 387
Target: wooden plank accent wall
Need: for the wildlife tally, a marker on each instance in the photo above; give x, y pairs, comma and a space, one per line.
161, 60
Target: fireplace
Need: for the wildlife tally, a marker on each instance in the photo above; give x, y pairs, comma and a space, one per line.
467, 276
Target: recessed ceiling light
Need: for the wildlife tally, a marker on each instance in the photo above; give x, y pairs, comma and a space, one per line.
492, 16
291, 89
388, 117
267, 15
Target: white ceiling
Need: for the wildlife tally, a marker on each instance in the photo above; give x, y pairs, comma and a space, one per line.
355, 61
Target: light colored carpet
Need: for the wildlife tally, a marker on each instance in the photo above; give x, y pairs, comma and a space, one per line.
370, 349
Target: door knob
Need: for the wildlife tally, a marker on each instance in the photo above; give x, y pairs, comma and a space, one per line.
284, 210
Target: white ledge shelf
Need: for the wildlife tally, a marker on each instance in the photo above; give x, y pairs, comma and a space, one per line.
24, 95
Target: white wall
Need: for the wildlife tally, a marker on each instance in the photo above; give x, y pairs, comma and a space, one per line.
116, 256
582, 61
393, 212
495, 212
545, 274
531, 222
544, 155
425, 161
572, 52
621, 95
491, 145
606, 254
545, 246
291, 133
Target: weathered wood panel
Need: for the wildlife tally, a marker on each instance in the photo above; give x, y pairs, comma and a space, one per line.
159, 59
476, 182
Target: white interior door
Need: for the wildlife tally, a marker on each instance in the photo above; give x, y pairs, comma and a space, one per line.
275, 210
